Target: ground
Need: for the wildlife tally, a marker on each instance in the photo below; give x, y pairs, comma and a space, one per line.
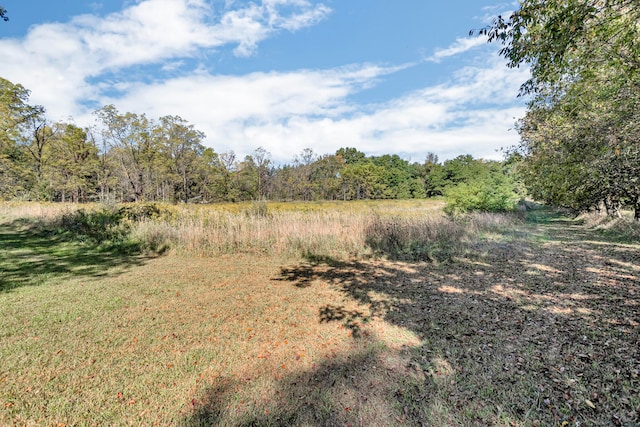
534, 326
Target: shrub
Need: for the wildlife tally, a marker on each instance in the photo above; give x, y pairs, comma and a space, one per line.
99, 226
491, 195
140, 211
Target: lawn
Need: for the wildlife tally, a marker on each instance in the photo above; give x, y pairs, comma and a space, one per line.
525, 323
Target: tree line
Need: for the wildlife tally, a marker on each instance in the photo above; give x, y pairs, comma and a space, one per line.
130, 157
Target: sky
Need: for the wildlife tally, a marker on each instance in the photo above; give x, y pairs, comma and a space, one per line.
386, 77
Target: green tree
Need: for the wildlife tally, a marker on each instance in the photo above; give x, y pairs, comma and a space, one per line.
325, 177
491, 193
351, 155
361, 181
131, 145
396, 177
181, 149
304, 171
17, 118
564, 40
580, 137
264, 172
72, 171
224, 165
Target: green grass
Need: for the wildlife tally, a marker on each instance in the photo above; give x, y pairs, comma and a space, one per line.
514, 330
33, 255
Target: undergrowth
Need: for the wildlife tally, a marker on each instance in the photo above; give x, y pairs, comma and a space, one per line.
354, 232
619, 228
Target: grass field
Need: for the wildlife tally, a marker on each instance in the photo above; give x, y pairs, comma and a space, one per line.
375, 314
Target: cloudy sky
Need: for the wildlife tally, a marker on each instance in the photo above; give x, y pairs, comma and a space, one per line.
400, 77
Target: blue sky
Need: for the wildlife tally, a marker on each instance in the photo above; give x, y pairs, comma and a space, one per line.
400, 77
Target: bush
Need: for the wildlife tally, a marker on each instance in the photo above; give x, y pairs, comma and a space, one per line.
130, 229
140, 211
98, 226
491, 195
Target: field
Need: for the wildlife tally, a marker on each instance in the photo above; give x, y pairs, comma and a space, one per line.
361, 314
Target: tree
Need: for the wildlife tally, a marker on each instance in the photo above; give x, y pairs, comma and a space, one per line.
180, 146
304, 168
431, 173
580, 137
72, 171
39, 137
264, 171
3, 14
225, 168
351, 155
325, 177
361, 181
397, 177
492, 192
562, 40
16, 119
129, 137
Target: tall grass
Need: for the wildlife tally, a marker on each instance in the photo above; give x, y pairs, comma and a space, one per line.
398, 230
623, 228
42, 212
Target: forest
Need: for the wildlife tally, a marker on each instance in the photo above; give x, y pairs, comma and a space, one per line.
128, 157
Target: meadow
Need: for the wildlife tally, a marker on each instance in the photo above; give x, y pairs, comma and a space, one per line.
359, 313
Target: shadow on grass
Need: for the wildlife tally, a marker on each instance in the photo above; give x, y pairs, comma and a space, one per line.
527, 333
31, 256
356, 390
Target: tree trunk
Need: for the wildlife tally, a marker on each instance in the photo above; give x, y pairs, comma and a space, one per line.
612, 206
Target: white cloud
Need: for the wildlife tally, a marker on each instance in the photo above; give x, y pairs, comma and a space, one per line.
60, 58
287, 112
64, 65
503, 9
461, 45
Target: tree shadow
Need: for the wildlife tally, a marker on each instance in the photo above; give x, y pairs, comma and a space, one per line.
355, 389
522, 332
33, 256
556, 322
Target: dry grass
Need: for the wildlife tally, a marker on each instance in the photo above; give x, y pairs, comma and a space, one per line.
195, 341
624, 228
540, 327
37, 211
402, 229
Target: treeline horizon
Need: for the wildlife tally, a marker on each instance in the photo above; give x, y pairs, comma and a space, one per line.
128, 157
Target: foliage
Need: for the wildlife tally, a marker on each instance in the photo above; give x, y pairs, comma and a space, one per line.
16, 116
580, 147
104, 225
564, 42
129, 157
495, 194
111, 227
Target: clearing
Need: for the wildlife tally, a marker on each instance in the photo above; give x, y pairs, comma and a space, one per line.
538, 326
